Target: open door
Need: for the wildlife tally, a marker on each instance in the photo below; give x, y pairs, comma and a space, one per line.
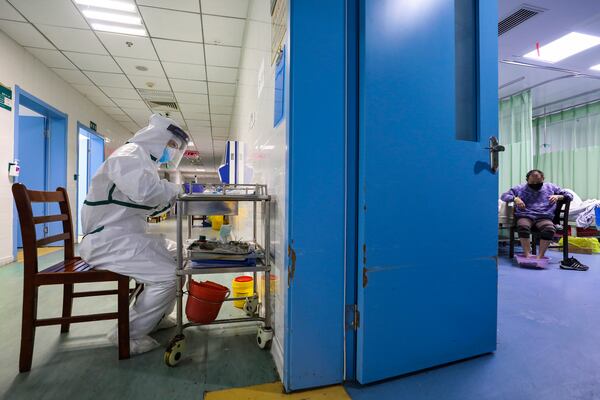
427, 276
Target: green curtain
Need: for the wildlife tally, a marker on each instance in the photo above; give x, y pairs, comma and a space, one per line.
568, 149
516, 135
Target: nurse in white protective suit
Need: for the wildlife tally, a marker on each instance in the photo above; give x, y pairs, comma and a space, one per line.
125, 190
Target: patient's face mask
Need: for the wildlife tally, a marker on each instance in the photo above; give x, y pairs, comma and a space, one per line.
536, 186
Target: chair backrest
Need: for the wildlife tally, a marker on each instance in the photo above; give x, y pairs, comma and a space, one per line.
23, 199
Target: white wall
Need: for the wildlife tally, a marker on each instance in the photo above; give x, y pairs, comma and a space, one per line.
19, 67
266, 147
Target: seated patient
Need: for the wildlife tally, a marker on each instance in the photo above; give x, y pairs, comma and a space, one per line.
536, 204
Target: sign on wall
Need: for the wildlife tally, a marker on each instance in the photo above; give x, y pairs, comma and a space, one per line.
5, 97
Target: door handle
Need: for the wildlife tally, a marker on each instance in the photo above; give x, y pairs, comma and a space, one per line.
494, 149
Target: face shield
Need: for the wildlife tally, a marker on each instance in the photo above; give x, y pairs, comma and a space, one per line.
173, 152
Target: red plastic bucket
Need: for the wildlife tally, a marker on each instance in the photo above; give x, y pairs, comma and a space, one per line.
204, 301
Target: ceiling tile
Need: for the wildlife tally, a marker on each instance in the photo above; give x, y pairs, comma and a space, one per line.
52, 12
224, 89
215, 109
93, 62
117, 45
187, 86
222, 74
193, 108
112, 111
194, 123
88, 90
106, 79
81, 40
203, 132
72, 76
175, 25
156, 83
222, 56
51, 58
101, 100
185, 71
218, 131
120, 118
130, 65
132, 104
223, 30
221, 100
198, 115
220, 118
8, 12
131, 126
182, 5
220, 124
231, 8
170, 50
121, 93
24, 34
191, 98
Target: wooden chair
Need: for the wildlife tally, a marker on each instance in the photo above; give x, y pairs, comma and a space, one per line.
67, 272
561, 221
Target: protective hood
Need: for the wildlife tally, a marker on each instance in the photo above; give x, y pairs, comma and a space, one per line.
155, 136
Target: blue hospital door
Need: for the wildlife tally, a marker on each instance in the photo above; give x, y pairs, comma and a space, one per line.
427, 195
32, 160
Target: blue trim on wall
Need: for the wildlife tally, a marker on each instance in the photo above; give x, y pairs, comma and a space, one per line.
314, 342
36, 104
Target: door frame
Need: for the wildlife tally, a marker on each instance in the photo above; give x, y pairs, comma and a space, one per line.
89, 131
51, 113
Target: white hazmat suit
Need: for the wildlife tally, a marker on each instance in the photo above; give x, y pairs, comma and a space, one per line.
125, 190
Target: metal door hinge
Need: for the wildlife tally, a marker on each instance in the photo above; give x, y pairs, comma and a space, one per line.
352, 317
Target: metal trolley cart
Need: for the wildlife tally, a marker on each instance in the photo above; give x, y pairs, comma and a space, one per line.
224, 202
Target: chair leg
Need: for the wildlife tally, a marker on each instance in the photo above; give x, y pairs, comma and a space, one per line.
533, 246
28, 326
123, 323
565, 245
67, 306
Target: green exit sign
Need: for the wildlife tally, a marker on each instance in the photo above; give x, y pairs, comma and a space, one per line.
93, 126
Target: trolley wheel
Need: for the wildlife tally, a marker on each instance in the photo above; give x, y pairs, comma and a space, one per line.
174, 351
264, 338
251, 306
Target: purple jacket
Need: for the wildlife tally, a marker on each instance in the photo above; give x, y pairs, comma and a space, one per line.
536, 201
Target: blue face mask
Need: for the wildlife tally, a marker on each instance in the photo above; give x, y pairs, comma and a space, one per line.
166, 157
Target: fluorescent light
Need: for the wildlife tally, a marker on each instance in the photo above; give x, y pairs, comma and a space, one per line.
200, 170
119, 29
190, 143
564, 47
267, 147
112, 17
110, 4
596, 67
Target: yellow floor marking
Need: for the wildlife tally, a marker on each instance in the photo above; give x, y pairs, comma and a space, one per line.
274, 391
42, 251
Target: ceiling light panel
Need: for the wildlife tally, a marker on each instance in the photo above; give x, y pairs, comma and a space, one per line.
564, 47
112, 16
596, 68
127, 6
